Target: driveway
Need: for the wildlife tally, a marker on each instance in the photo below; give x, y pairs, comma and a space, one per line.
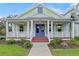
40, 49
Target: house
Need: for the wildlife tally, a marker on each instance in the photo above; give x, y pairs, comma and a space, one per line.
42, 22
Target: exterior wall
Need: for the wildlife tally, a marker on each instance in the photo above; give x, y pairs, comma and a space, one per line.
76, 29
51, 13
28, 14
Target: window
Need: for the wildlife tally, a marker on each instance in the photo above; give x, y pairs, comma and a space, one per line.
21, 28
40, 10
10, 27
59, 27
49, 27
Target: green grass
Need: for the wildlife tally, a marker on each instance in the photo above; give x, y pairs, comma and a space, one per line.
65, 52
12, 50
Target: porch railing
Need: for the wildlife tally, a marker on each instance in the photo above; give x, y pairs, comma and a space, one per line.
18, 34
60, 34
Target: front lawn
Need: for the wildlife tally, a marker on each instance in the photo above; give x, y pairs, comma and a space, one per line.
65, 52
12, 50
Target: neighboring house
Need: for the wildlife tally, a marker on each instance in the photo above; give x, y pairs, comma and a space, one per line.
40, 21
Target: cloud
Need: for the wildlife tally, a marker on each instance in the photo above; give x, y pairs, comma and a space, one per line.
1, 16
71, 4
57, 10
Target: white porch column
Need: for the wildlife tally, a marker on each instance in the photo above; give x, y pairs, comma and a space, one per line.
17, 31
6, 29
52, 29
72, 29
31, 33
28, 29
48, 30
13, 27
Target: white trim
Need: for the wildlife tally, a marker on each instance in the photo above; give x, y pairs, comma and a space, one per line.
17, 31
13, 27
31, 33
28, 28
72, 29
48, 30
6, 29
52, 29
45, 30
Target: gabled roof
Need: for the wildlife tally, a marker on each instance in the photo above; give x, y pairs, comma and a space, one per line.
68, 11
33, 7
52, 10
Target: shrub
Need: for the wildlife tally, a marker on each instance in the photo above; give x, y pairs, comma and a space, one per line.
76, 38
55, 42
10, 41
75, 42
22, 41
64, 45
27, 45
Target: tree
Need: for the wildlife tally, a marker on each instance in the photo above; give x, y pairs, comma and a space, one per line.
2, 29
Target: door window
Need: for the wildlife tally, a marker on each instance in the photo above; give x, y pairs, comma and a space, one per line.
37, 29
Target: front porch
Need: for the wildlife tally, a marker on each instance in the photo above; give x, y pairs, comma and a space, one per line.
32, 28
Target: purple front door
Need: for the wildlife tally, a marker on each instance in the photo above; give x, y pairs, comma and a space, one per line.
40, 30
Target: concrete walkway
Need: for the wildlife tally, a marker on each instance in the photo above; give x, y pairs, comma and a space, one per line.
40, 49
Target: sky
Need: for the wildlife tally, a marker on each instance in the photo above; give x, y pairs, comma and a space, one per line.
19, 8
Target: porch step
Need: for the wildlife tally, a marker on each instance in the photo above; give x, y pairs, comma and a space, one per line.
39, 39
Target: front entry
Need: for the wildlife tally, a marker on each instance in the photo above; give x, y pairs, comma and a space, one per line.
40, 30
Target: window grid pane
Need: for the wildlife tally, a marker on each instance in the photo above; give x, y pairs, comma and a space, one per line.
21, 28
40, 10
